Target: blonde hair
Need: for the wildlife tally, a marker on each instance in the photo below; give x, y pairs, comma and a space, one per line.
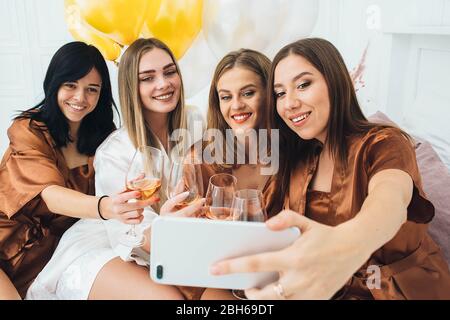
130, 101
244, 58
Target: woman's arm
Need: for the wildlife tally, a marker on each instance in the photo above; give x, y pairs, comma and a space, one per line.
324, 258
72, 203
384, 210
7, 289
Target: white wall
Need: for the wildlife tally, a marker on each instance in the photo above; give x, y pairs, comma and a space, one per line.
26, 43
406, 73
30, 33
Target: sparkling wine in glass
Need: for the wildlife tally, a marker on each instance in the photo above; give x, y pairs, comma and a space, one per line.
219, 197
143, 175
147, 187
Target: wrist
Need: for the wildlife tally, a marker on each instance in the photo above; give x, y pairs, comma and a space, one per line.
355, 239
103, 207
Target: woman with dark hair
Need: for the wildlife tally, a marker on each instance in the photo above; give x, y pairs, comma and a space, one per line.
352, 187
46, 175
66, 122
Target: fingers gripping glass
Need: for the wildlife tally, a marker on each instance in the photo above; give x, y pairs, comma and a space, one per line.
185, 176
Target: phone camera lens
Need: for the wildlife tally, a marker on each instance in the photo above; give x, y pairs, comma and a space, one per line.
159, 271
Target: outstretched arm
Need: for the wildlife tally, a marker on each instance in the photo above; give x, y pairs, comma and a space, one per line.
323, 258
72, 203
384, 210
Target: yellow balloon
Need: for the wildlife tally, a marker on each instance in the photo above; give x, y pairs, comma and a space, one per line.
120, 20
109, 49
152, 10
177, 24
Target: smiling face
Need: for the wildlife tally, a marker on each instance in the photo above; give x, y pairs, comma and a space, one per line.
76, 99
159, 82
241, 96
302, 99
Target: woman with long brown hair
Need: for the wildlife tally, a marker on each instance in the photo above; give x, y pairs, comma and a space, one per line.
352, 187
237, 105
237, 108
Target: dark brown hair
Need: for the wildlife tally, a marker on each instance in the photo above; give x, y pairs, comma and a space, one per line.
346, 117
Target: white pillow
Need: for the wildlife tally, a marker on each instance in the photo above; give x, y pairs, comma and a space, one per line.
433, 127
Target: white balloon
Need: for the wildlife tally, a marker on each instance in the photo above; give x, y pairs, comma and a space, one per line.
261, 25
233, 24
297, 24
197, 66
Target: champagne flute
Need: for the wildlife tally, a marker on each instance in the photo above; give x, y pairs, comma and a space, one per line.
248, 205
185, 176
143, 175
219, 197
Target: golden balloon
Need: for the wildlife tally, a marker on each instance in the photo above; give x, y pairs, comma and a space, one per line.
177, 24
82, 32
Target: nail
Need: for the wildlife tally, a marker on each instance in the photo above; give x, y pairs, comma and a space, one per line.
214, 270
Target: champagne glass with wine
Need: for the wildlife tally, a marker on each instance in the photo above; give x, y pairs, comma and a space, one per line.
248, 205
219, 197
144, 175
185, 176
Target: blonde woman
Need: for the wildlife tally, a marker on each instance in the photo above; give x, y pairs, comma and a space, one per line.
89, 263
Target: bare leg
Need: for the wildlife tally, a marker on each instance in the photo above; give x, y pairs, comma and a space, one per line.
7, 289
217, 294
126, 280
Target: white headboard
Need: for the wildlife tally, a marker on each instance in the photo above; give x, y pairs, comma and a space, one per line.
417, 66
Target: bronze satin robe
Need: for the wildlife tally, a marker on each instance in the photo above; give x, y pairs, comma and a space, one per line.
412, 265
29, 232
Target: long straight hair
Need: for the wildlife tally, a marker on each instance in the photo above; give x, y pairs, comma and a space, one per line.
248, 59
130, 101
346, 117
70, 63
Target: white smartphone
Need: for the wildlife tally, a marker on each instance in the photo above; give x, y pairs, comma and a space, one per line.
183, 249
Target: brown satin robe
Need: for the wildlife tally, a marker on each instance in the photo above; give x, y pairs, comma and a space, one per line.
412, 265
29, 232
